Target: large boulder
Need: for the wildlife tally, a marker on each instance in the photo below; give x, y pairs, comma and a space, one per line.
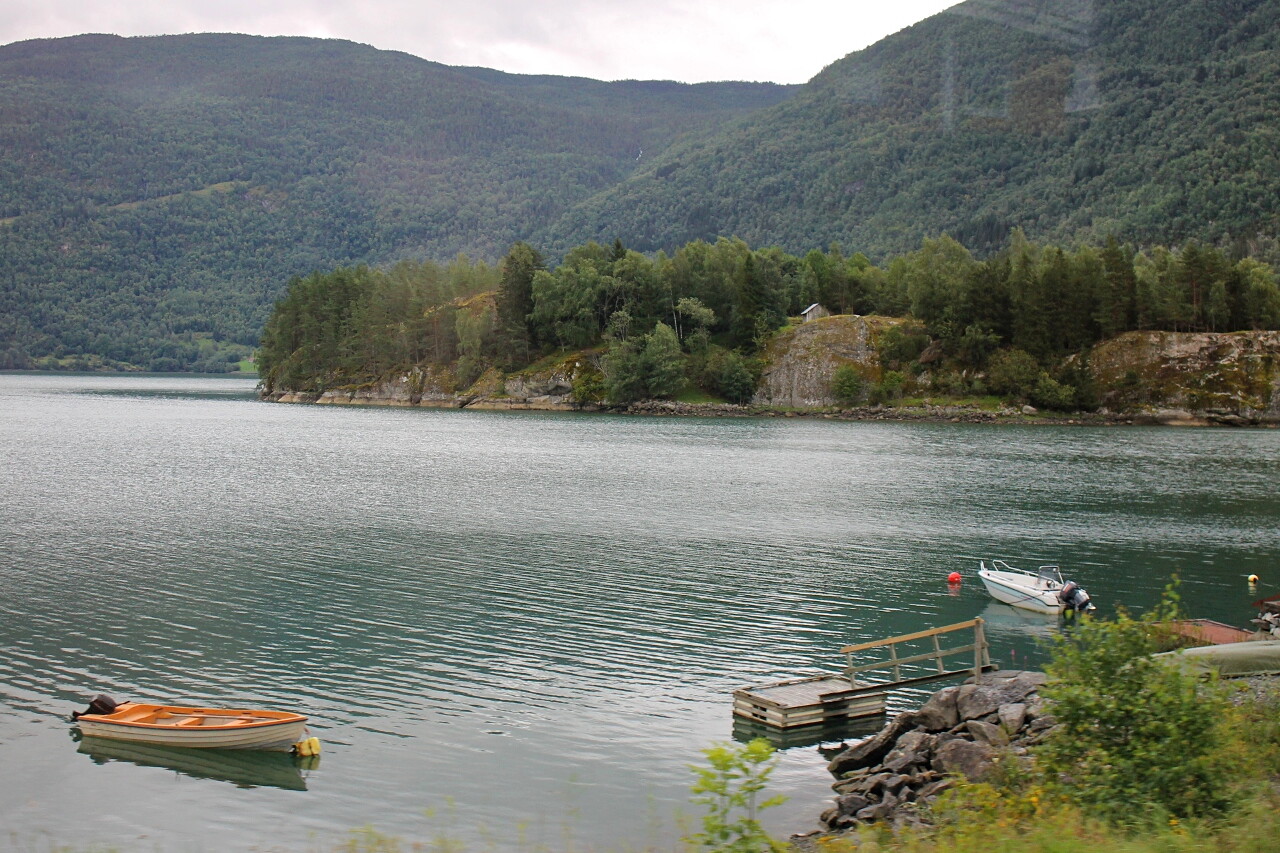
912, 749
1191, 377
869, 752
966, 758
1013, 717
940, 712
799, 361
986, 695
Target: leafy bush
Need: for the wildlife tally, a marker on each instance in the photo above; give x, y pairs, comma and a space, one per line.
588, 386
730, 375
1137, 732
847, 384
1013, 372
648, 369
901, 345
890, 387
1049, 393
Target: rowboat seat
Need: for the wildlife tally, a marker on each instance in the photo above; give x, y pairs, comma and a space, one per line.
141, 715
192, 721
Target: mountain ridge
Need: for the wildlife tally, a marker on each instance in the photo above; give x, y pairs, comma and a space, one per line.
1151, 122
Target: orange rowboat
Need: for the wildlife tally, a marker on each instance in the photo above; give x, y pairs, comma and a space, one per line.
171, 725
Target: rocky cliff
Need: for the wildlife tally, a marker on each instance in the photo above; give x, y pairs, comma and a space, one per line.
1144, 377
546, 386
800, 360
1189, 377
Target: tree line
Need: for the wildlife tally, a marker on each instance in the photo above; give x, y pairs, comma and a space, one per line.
698, 318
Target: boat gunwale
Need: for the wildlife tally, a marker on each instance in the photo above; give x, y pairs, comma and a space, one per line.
239, 718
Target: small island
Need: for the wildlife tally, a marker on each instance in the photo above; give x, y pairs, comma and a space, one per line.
1103, 334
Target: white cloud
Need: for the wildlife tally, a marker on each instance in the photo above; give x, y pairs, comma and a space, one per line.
786, 42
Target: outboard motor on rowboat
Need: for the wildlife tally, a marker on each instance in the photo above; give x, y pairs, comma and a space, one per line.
101, 704
1073, 597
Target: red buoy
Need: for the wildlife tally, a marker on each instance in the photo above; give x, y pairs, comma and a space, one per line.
954, 577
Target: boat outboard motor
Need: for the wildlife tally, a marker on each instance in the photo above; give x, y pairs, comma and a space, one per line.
100, 705
1073, 595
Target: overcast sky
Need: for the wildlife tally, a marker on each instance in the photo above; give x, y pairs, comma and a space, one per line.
784, 41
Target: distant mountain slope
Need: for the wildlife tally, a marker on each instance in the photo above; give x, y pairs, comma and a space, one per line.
156, 194
1154, 120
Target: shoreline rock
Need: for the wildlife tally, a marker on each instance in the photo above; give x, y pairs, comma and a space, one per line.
961, 731
393, 394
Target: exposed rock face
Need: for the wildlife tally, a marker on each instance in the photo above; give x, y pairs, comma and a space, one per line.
1191, 378
960, 732
800, 360
550, 388
1145, 377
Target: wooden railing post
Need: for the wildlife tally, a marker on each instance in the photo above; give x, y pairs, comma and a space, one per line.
980, 655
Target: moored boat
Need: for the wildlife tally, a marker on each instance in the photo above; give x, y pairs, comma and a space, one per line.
1043, 590
174, 725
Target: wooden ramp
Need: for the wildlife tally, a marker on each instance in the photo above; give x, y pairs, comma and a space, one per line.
822, 699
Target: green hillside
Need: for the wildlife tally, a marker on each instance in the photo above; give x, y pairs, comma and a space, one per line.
1155, 121
157, 194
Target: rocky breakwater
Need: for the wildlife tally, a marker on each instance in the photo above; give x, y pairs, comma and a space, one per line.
961, 732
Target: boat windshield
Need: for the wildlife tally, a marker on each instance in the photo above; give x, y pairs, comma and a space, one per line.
1050, 574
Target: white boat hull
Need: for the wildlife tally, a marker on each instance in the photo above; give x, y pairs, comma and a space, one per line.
280, 736
206, 728
1020, 590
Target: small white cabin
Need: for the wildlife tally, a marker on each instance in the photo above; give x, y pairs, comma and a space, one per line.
814, 312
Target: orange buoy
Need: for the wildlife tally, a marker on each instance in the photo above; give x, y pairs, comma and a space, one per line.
954, 577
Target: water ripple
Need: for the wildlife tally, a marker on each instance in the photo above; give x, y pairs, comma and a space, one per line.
468, 602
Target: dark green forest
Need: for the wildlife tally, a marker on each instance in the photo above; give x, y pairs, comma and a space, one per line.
158, 194
698, 318
1158, 120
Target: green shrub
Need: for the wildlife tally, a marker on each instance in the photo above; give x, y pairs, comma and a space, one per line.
1138, 734
847, 385
1049, 393
1014, 373
730, 788
730, 375
890, 387
901, 345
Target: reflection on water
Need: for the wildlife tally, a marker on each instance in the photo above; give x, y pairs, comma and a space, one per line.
247, 768
1004, 620
823, 736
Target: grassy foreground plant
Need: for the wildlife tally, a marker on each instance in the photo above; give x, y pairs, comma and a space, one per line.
729, 788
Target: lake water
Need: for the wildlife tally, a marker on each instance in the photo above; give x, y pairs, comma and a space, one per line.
519, 629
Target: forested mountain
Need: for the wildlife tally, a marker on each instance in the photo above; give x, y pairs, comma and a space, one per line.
157, 194
1153, 121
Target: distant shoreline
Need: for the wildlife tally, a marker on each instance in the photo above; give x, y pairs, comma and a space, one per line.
928, 413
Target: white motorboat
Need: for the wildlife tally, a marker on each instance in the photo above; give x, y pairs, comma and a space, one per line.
1043, 590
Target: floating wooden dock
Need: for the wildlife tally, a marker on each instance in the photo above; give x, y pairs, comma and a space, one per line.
822, 699
807, 701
